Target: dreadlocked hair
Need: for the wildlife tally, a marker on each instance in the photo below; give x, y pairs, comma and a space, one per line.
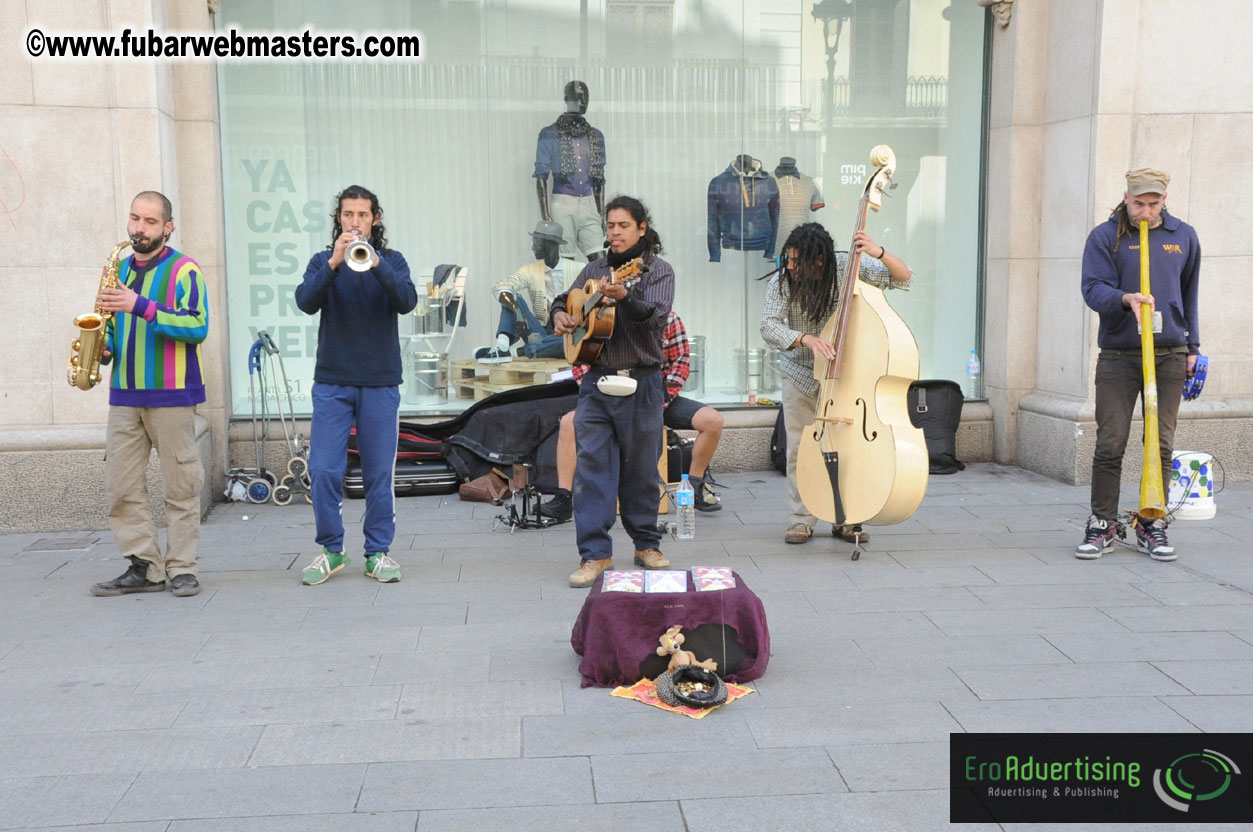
813, 280
1124, 223
378, 234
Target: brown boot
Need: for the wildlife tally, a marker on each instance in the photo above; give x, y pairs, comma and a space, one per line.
651, 559
586, 574
853, 534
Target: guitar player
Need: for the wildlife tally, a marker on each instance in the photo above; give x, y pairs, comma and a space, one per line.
618, 419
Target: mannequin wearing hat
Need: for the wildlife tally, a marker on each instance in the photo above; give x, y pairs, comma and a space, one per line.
525, 297
1111, 287
573, 153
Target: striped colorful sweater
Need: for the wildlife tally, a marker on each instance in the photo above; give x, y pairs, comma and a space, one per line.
156, 348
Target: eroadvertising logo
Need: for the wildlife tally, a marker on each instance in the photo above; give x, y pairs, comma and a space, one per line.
1099, 778
1194, 778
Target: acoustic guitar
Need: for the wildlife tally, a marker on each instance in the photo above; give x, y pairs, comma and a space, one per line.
594, 313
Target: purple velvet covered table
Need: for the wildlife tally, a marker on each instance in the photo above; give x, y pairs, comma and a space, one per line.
616, 631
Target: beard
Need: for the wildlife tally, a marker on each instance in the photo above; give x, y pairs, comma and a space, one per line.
143, 245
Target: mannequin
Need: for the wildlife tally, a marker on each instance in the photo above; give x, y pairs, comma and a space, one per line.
525, 297
799, 197
743, 207
573, 153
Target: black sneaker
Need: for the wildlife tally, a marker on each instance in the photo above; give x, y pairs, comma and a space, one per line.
1098, 538
184, 585
560, 507
706, 499
1151, 539
134, 579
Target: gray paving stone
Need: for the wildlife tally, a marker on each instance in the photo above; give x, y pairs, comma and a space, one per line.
306, 642
518, 665
407, 668
309, 790
300, 706
902, 766
38, 651
477, 638
475, 591
1211, 678
355, 822
261, 674
1150, 647
617, 817
637, 729
85, 711
959, 557
477, 784
391, 741
1068, 681
1213, 714
1021, 622
1057, 596
448, 699
520, 613
29, 802
385, 618
861, 724
857, 625
641, 777
55, 682
904, 811
283, 589
894, 599
1072, 571
796, 687
1230, 617
1133, 714
889, 576
1195, 593
107, 752
217, 620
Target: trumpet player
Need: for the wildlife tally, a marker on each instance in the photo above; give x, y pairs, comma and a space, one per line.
360, 287
160, 312
1111, 286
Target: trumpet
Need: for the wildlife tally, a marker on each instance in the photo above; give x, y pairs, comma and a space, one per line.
1152, 496
360, 254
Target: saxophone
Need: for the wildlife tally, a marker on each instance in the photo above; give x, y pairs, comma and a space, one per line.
83, 370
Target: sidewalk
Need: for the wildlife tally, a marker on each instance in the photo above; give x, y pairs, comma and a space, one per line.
451, 701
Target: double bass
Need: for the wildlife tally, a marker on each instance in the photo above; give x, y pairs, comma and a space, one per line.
862, 460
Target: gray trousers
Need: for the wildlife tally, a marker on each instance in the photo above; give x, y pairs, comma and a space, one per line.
1119, 379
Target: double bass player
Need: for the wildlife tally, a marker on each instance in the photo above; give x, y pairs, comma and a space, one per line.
800, 298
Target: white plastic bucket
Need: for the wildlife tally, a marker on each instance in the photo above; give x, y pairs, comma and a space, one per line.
1192, 485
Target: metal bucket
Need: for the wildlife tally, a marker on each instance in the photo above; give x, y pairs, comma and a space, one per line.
428, 316
425, 384
749, 369
694, 388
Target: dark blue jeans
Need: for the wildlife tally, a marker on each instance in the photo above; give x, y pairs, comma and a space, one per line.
376, 413
548, 346
619, 443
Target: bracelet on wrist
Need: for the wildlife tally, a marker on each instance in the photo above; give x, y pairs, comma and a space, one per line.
882, 251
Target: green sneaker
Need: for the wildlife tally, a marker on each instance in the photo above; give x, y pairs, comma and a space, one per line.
382, 568
323, 567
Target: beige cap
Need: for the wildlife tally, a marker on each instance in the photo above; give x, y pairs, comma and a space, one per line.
1147, 181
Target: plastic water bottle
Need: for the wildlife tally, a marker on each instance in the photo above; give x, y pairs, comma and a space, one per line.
974, 375
685, 500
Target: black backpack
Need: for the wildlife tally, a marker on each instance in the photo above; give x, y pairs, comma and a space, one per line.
778, 445
935, 405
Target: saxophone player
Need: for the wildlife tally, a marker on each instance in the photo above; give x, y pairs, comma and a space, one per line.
160, 317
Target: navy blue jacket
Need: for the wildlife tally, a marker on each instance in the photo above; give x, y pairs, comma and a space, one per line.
358, 338
743, 212
1174, 271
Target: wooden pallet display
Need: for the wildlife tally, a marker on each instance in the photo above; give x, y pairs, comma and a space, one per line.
466, 372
